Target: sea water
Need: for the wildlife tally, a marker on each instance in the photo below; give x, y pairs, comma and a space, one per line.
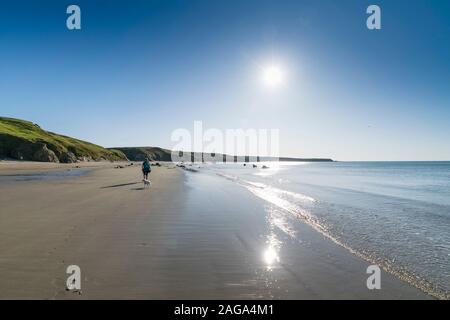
394, 214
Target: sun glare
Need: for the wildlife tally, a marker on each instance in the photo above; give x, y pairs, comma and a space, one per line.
272, 76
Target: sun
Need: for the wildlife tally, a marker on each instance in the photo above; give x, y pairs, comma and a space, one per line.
272, 76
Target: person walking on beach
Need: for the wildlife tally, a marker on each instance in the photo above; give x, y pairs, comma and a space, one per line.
146, 168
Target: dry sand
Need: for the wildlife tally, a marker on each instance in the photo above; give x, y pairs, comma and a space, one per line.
189, 237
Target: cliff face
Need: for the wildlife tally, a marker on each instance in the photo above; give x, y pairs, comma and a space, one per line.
24, 140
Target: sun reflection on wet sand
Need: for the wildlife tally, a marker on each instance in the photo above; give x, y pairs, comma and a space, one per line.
270, 253
278, 224
270, 257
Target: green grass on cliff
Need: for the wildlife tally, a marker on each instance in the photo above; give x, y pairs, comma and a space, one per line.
15, 133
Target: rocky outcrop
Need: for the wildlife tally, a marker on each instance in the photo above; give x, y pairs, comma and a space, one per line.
25, 150
68, 157
44, 154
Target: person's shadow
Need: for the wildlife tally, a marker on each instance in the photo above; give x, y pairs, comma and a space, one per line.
137, 189
121, 185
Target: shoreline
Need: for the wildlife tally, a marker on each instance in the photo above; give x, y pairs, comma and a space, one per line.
187, 237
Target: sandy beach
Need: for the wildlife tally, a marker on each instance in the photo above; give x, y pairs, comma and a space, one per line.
190, 236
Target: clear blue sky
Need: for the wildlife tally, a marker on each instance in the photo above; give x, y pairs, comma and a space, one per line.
140, 69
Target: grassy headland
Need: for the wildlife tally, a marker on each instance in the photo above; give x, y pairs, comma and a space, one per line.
140, 153
24, 140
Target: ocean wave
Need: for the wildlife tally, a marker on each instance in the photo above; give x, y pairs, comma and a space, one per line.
294, 203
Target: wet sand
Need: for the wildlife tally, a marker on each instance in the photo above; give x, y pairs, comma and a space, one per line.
190, 236
30, 167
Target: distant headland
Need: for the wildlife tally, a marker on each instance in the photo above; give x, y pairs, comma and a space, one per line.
160, 154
